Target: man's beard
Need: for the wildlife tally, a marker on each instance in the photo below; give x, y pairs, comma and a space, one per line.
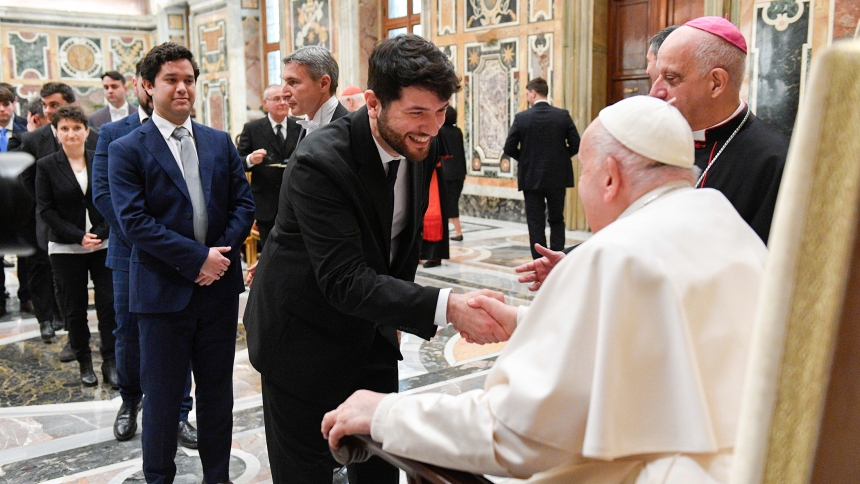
397, 141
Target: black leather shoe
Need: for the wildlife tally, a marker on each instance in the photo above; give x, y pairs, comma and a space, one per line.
66, 354
431, 263
109, 373
187, 435
88, 376
125, 424
458, 238
47, 332
58, 325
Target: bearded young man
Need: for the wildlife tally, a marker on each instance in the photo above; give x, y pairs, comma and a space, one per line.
335, 281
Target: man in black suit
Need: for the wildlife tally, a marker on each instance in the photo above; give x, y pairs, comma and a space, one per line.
18, 119
10, 127
543, 139
265, 145
40, 278
337, 282
117, 106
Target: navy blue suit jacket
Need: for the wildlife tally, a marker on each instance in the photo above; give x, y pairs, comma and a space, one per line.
151, 202
119, 249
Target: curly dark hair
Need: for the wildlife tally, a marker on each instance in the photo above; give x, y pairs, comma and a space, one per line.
69, 111
162, 54
410, 60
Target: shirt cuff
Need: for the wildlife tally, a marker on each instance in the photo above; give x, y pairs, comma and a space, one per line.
248, 164
522, 311
441, 318
377, 424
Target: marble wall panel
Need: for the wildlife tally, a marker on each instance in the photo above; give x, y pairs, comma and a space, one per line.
541, 10
125, 53
310, 23
90, 98
540, 57
368, 21
486, 14
80, 57
446, 17
216, 105
253, 63
494, 208
780, 56
212, 46
846, 19
491, 99
28, 53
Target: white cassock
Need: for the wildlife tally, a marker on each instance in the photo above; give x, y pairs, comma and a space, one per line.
627, 368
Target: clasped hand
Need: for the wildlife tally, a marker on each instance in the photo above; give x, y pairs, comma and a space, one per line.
214, 267
482, 316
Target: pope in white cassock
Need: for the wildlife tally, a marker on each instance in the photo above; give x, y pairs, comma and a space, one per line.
629, 364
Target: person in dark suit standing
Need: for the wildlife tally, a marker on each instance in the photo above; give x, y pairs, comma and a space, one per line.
453, 170
46, 293
265, 145
181, 197
117, 106
543, 139
77, 234
17, 119
10, 128
127, 335
336, 283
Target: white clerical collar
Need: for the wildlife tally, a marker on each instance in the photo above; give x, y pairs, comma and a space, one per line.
142, 114
662, 191
323, 115
166, 128
385, 156
282, 124
700, 134
539, 101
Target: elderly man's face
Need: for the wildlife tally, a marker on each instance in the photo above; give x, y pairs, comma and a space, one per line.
276, 104
590, 182
678, 78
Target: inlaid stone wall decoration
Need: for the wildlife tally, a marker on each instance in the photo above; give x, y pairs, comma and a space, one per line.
250, 3
446, 17
216, 106
540, 57
80, 57
491, 99
485, 14
29, 55
125, 53
540, 10
780, 57
846, 19
89, 98
176, 21
310, 22
213, 47
451, 52
253, 64
179, 40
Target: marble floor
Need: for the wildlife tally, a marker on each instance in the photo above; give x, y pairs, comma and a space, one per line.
54, 430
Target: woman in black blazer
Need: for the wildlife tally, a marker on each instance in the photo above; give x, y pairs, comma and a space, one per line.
453, 169
77, 239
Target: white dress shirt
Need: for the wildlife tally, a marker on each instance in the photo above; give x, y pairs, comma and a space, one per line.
282, 124
398, 221
144, 116
322, 117
166, 128
9, 127
118, 113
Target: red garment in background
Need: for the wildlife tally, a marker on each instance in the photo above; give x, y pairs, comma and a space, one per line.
433, 215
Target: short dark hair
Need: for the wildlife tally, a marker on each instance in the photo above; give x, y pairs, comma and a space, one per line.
9, 87
116, 76
51, 88
162, 54
69, 111
35, 108
656, 41
137, 67
538, 85
410, 60
6, 95
450, 116
318, 61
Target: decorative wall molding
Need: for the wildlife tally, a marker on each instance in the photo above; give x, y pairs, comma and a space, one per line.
216, 103
540, 57
29, 52
541, 10
486, 14
125, 53
446, 17
80, 57
64, 18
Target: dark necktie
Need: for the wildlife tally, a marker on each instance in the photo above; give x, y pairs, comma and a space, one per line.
393, 165
4, 141
191, 167
279, 132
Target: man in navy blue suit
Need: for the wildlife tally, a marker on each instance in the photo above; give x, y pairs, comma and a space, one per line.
127, 345
181, 197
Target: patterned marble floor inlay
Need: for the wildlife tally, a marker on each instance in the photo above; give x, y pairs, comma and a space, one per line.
54, 430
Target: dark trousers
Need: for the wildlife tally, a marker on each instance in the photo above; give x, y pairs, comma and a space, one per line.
297, 450
202, 336
542, 206
128, 349
40, 282
264, 228
71, 272
23, 289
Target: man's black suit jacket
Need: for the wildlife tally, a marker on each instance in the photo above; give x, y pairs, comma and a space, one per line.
41, 143
543, 139
266, 179
325, 289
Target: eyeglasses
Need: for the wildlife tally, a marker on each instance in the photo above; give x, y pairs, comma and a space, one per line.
277, 100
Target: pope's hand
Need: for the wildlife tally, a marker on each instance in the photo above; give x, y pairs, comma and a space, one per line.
498, 310
352, 417
479, 326
537, 270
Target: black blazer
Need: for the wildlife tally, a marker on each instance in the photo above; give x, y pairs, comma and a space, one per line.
266, 180
61, 203
454, 168
543, 139
41, 143
324, 287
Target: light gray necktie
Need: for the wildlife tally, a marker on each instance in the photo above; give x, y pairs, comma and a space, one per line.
190, 164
